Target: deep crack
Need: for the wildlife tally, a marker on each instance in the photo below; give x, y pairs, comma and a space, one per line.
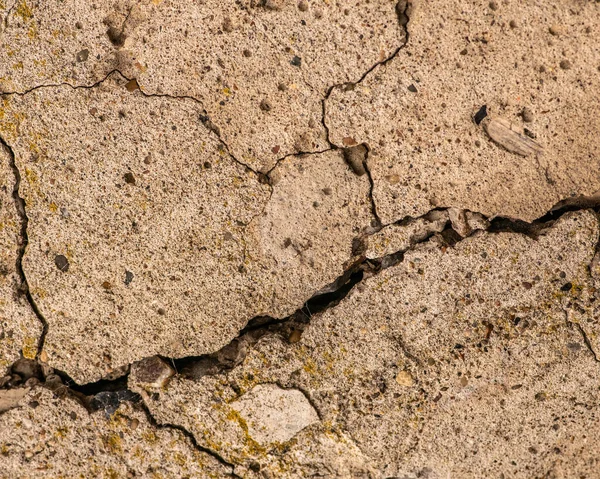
24, 241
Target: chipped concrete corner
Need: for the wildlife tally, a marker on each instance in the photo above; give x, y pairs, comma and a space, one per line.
280, 239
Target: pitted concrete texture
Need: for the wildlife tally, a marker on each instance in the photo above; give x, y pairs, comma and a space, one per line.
48, 437
469, 347
259, 69
152, 252
19, 328
532, 65
299, 238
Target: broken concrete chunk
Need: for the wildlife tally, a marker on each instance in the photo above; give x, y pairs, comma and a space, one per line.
480, 327
426, 150
212, 244
275, 415
9, 398
507, 135
153, 372
465, 222
50, 437
476, 221
399, 237
356, 157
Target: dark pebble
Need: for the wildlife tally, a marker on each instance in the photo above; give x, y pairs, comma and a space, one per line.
527, 115
129, 178
128, 277
61, 262
296, 61
480, 115
412, 88
83, 55
565, 65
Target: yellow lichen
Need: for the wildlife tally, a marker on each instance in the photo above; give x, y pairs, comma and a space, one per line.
29, 347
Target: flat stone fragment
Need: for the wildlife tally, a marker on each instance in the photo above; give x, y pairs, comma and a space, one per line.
260, 71
508, 136
48, 437
9, 398
146, 237
19, 327
275, 415
422, 113
457, 362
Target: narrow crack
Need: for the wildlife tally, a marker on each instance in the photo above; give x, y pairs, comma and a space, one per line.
24, 241
587, 341
403, 8
190, 436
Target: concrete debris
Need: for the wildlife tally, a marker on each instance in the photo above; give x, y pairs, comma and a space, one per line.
274, 415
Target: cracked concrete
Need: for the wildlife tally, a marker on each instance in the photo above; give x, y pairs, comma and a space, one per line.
416, 112
19, 327
270, 239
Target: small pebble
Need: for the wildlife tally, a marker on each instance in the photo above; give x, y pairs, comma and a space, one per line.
129, 178
404, 378
303, 5
132, 85
128, 277
527, 115
512, 24
295, 336
247, 53
565, 65
83, 55
61, 262
493, 6
412, 88
555, 30
296, 61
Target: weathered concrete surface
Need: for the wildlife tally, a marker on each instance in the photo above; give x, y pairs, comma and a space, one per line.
458, 361
146, 237
259, 69
286, 239
56, 437
19, 327
533, 64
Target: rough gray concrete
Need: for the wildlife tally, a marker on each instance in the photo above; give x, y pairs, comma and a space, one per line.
305, 238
